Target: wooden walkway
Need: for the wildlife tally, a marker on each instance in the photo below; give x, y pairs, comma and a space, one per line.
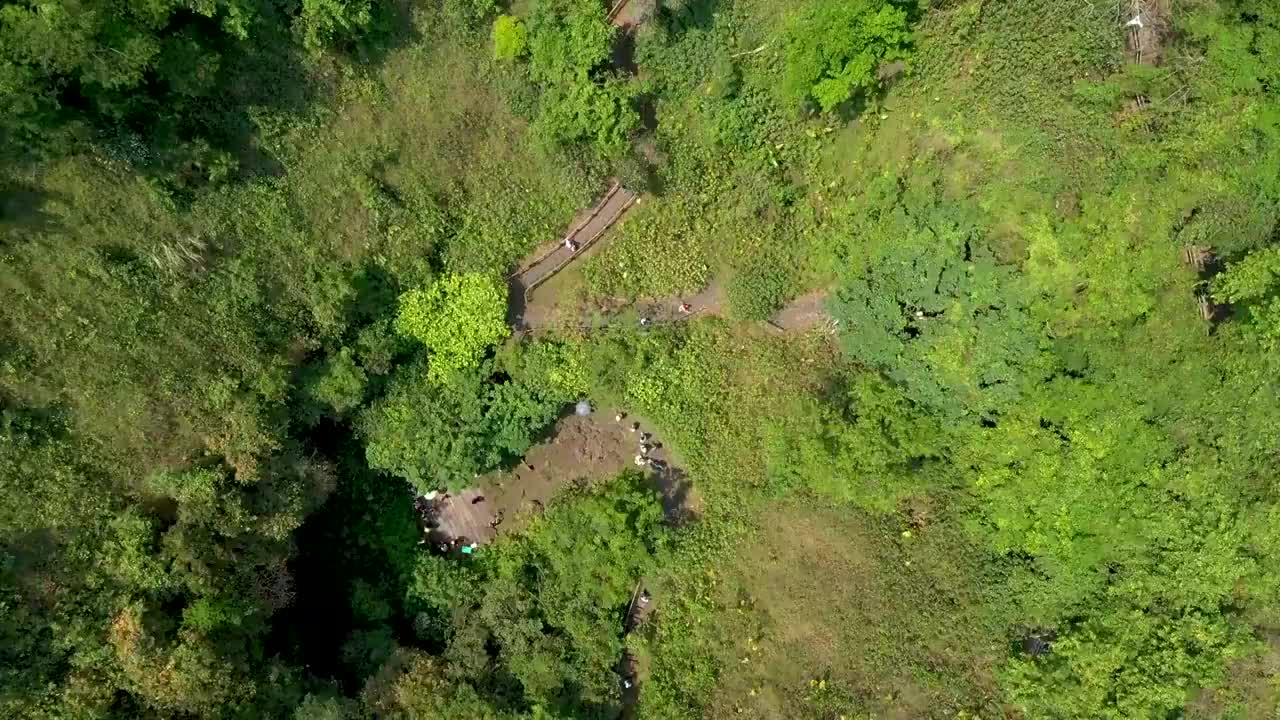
607, 212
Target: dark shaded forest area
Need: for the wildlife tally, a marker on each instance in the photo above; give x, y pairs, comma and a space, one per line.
1018, 461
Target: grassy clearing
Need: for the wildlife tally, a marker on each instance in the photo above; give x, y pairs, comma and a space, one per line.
825, 611
655, 253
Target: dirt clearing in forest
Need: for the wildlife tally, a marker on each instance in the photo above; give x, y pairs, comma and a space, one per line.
805, 312
583, 450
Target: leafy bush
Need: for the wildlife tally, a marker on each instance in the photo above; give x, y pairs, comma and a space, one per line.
510, 39
339, 384
458, 318
323, 22
548, 601
919, 306
1253, 283
377, 346
444, 430
1124, 666
758, 290
651, 253
569, 45
834, 49
464, 17
559, 365
597, 113
872, 449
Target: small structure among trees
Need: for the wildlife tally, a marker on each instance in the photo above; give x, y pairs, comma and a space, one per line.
1146, 29
1201, 259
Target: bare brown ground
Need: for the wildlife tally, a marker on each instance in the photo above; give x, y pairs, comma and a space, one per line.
555, 306
581, 451
804, 313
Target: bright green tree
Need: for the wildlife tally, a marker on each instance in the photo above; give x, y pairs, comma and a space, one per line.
510, 39
457, 318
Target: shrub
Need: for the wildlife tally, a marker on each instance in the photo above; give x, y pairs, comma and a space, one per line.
510, 39
437, 431
458, 318
323, 22
833, 49
341, 383
569, 43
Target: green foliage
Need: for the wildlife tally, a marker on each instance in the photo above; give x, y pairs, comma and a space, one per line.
40, 467
550, 600
323, 22
158, 87
874, 449
1253, 284
1125, 665
598, 113
568, 40
338, 385
1023, 423
314, 707
457, 318
650, 254
833, 50
568, 45
559, 365
510, 38
467, 16
437, 431
208, 614
759, 290
938, 315
377, 346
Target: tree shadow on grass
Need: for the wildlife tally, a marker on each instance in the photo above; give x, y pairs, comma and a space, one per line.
678, 16
186, 135
391, 28
678, 505
22, 211
363, 540
376, 291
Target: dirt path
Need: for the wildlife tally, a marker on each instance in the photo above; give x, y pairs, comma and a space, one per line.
1148, 24
625, 14
540, 313
805, 312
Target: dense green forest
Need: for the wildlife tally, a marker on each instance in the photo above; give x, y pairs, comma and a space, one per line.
253, 300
